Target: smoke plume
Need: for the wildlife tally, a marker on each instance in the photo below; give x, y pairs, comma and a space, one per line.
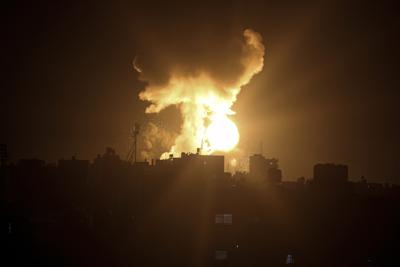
201, 89
155, 141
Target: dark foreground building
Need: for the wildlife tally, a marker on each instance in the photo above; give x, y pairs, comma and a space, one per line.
188, 212
265, 170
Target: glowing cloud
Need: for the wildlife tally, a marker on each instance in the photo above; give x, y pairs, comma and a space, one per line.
204, 100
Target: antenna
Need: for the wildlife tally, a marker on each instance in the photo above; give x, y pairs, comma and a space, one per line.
132, 153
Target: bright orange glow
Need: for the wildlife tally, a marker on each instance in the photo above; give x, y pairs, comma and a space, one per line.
222, 134
205, 101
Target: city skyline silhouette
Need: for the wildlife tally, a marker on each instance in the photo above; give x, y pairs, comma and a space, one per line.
200, 133
328, 90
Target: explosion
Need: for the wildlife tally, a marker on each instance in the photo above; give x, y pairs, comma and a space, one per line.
222, 134
205, 101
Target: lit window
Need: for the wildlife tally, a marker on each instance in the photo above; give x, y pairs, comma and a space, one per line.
221, 254
219, 218
289, 259
227, 218
223, 218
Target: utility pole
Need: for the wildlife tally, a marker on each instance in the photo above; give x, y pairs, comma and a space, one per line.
132, 153
136, 130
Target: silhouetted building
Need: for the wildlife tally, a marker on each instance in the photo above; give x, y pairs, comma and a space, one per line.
31, 165
330, 173
210, 165
73, 175
188, 212
74, 170
264, 169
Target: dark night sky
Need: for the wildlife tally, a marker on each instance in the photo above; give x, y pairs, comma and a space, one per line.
328, 92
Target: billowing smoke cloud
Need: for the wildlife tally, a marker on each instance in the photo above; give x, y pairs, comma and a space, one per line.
155, 141
201, 89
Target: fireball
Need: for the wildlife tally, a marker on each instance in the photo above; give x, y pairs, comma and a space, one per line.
222, 134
